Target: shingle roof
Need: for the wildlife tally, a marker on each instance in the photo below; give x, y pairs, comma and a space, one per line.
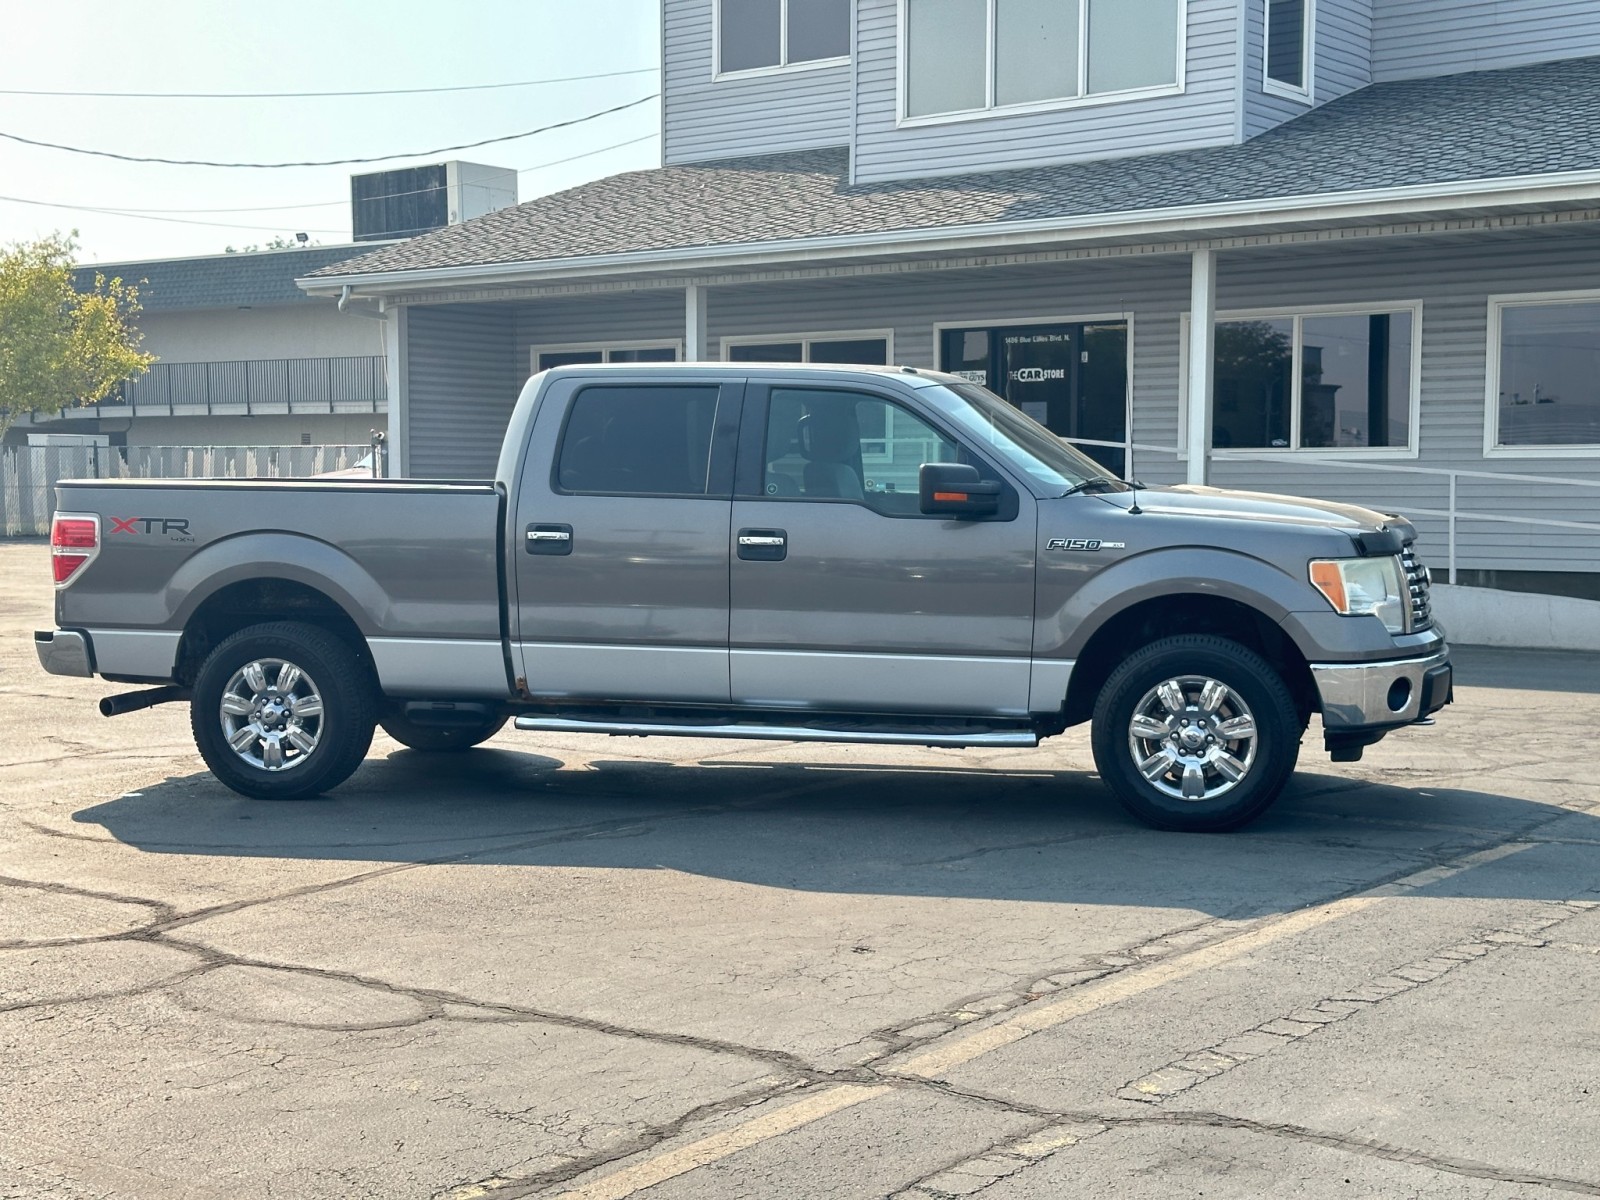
1482, 125
256, 279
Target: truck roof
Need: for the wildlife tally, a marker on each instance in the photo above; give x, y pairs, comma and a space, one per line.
914, 376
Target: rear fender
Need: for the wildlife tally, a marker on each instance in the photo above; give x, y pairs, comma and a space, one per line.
304, 560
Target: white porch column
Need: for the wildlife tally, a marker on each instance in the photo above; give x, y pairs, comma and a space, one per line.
1202, 366
694, 323
398, 379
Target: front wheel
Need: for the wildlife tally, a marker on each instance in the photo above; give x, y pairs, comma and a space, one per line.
1196, 733
283, 711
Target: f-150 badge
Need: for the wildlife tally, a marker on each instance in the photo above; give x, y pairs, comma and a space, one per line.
1083, 544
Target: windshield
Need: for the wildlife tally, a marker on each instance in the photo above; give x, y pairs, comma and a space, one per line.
1019, 439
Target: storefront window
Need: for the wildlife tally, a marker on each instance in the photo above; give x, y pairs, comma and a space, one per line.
1334, 381
851, 351
1549, 374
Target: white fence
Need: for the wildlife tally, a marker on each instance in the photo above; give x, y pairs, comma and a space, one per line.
29, 474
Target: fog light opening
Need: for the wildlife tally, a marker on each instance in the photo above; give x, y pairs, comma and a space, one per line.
1399, 695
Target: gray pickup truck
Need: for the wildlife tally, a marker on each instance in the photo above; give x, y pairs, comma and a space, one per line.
842, 554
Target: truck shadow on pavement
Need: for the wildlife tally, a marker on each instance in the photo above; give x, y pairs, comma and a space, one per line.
956, 830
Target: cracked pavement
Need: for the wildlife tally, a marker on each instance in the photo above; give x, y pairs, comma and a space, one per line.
612, 968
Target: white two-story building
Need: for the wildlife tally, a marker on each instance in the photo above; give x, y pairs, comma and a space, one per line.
1348, 248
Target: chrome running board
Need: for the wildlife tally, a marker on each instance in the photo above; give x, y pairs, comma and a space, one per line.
781, 733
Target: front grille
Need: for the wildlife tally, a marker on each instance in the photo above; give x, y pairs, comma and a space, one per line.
1417, 579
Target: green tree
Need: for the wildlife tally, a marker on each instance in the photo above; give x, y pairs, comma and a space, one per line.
59, 346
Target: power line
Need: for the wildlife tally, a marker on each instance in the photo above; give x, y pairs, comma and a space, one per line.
150, 214
332, 162
340, 203
469, 87
138, 216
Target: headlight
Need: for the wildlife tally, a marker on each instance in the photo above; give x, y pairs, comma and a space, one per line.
1362, 586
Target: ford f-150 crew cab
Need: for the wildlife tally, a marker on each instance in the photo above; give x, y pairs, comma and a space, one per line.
840, 554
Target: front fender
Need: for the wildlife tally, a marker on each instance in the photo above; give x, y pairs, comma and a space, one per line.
1073, 606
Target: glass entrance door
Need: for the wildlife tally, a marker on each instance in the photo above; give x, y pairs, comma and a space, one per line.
1071, 378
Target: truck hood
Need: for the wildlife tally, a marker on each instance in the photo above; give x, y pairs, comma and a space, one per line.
1221, 504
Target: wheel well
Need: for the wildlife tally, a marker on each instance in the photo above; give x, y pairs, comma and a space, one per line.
1165, 616
253, 601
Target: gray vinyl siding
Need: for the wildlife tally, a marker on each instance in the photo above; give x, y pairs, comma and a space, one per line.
1204, 115
1341, 61
463, 380
1454, 279
464, 408
1412, 38
752, 114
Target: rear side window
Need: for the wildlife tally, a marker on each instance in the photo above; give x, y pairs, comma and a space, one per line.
638, 440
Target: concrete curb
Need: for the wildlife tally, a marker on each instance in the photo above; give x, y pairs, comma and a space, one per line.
1490, 617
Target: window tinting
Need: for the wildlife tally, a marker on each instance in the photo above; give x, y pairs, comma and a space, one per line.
1035, 50
946, 44
570, 358
768, 352
818, 29
1254, 383
750, 33
1355, 380
1132, 44
647, 440
1286, 42
1550, 375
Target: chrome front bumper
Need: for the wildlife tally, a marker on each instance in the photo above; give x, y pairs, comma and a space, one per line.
1375, 695
63, 652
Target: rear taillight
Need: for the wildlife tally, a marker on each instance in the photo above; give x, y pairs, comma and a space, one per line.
74, 542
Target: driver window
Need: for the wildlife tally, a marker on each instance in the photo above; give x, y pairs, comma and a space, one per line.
836, 445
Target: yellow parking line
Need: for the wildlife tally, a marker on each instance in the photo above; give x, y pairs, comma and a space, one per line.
1030, 1020
681, 1161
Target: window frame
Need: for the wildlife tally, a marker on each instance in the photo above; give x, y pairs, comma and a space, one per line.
605, 348
1298, 314
805, 339
1308, 49
783, 66
1492, 358
903, 118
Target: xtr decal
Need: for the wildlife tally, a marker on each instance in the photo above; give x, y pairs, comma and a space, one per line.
168, 526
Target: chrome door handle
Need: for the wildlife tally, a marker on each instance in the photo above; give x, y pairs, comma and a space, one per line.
762, 545
549, 539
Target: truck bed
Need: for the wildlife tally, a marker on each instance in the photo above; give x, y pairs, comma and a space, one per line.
406, 558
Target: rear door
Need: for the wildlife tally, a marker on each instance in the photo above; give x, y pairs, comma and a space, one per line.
844, 596
621, 540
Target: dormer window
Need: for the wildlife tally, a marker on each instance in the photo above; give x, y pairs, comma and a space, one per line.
969, 56
1288, 49
771, 35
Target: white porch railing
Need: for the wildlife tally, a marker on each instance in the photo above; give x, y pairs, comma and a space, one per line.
1452, 513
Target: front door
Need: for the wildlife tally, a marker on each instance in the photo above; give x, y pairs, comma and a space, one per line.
844, 597
621, 550
1071, 378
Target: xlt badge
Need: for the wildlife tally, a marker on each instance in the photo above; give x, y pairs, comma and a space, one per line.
1083, 544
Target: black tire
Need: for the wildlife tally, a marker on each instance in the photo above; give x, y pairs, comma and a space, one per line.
1266, 703
437, 739
343, 723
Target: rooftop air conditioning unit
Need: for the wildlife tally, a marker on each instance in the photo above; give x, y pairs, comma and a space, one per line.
403, 203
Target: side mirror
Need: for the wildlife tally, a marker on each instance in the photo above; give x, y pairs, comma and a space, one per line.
955, 490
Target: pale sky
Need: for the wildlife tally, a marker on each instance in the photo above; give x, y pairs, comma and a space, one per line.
299, 45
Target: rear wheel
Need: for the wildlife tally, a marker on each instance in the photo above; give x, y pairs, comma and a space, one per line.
440, 739
1196, 733
282, 711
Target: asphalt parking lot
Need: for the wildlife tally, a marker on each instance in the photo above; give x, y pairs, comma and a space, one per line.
601, 968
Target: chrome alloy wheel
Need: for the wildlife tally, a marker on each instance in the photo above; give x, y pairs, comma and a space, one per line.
272, 714
1192, 738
